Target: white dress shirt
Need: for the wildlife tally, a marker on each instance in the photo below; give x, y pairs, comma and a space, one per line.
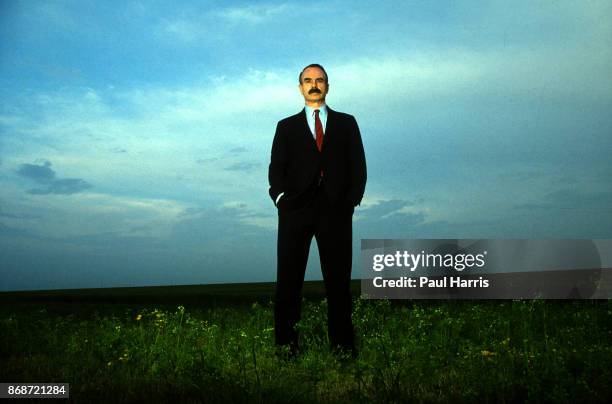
310, 117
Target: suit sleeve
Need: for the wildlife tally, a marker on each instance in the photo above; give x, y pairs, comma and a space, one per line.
357, 165
278, 163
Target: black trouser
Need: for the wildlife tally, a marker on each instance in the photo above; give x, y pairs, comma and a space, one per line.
332, 229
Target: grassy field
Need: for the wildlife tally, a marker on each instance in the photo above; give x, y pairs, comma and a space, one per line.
218, 347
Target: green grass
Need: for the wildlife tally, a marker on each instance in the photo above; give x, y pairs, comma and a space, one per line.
432, 351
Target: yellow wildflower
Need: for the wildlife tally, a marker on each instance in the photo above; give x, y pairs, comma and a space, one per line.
487, 354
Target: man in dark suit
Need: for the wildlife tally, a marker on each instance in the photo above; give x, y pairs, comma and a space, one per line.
317, 176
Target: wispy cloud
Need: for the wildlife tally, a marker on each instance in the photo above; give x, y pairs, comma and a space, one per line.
191, 26
65, 186
573, 199
242, 166
252, 14
237, 150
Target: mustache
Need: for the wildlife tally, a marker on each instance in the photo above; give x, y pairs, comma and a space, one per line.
314, 90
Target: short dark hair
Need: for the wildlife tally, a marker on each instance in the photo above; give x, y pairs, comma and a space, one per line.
312, 65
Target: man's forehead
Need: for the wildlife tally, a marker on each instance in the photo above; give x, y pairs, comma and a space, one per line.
313, 73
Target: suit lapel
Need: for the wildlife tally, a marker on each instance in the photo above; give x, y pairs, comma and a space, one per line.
329, 127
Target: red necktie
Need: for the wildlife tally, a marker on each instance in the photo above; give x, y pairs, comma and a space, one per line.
318, 130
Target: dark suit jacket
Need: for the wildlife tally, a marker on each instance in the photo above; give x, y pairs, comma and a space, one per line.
296, 163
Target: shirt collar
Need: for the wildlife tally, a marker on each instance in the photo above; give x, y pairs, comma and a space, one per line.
322, 110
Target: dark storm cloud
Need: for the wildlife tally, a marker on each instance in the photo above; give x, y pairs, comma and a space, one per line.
45, 175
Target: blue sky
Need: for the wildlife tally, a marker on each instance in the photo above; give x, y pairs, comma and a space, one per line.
135, 136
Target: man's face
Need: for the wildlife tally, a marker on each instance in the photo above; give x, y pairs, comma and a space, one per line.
314, 85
